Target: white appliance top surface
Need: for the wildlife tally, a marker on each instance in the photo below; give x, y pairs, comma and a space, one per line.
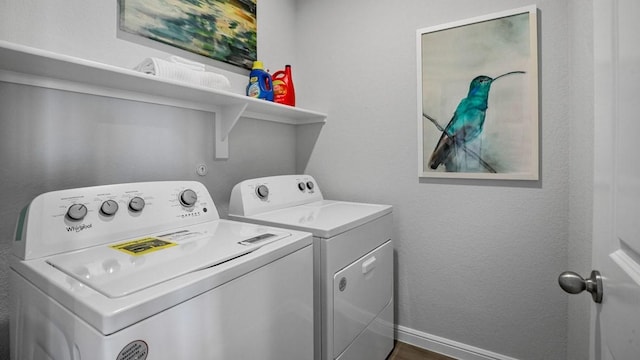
111, 289
124, 267
325, 218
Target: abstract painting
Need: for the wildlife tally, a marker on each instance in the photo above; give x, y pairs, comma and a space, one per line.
224, 30
478, 97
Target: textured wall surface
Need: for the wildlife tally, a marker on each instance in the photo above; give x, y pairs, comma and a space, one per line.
53, 140
477, 261
580, 170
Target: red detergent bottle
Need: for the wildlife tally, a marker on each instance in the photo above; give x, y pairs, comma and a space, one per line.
283, 91
260, 84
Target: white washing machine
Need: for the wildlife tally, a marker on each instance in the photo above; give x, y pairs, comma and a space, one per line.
353, 261
148, 271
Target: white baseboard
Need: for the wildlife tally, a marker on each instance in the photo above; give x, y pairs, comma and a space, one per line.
444, 346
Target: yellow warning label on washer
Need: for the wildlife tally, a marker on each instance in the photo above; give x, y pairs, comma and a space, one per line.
143, 246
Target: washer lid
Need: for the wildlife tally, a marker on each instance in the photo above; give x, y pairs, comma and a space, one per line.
124, 267
325, 218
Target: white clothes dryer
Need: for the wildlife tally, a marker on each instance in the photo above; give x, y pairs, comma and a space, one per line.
148, 271
353, 261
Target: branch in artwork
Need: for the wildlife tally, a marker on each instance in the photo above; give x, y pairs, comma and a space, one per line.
463, 146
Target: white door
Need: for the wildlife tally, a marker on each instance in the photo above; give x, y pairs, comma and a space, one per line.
615, 330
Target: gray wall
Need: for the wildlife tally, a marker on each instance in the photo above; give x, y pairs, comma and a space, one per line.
580, 169
53, 140
477, 261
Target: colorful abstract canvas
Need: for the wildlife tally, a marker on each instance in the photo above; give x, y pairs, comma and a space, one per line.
223, 30
478, 97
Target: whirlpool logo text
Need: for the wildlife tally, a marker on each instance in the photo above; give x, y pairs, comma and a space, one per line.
78, 228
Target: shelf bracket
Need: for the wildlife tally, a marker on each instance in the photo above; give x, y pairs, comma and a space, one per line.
226, 119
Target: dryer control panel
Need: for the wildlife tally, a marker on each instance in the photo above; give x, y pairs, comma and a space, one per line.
259, 195
79, 218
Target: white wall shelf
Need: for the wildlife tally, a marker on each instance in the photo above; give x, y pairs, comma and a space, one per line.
36, 67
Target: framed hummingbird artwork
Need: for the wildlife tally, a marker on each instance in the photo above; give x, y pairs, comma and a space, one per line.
478, 97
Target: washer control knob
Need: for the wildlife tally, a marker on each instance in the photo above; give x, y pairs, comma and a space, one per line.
109, 208
310, 185
188, 198
262, 191
301, 186
136, 204
77, 212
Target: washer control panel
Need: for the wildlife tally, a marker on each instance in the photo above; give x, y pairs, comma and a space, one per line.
79, 218
271, 193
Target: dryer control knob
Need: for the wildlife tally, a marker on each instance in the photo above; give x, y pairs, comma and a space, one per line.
310, 185
262, 191
301, 186
109, 208
188, 198
77, 212
136, 204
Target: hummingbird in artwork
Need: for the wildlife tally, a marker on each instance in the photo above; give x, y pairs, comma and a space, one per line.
467, 121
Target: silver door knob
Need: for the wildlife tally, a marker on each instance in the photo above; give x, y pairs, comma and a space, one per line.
575, 284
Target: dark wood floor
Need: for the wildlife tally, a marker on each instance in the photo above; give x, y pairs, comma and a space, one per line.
403, 351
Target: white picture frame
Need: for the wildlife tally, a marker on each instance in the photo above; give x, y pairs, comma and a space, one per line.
487, 137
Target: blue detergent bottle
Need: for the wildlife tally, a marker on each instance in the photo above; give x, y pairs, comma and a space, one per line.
260, 84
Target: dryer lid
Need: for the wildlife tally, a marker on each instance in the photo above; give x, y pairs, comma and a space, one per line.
124, 267
325, 218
